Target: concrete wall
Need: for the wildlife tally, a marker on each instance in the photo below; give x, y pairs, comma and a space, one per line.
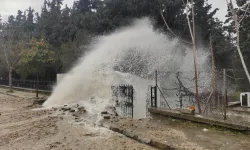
59, 77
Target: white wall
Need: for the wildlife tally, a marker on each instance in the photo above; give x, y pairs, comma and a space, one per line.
59, 77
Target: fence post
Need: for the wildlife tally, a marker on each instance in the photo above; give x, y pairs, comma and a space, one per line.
225, 94
37, 85
180, 99
156, 88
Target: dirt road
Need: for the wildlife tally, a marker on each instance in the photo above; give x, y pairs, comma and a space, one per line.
23, 128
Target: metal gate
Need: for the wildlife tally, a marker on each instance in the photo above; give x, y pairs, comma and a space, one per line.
123, 95
153, 96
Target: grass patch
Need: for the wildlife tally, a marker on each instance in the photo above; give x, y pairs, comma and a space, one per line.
201, 126
10, 91
235, 96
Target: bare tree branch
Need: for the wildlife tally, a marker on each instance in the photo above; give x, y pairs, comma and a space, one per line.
189, 24
245, 13
172, 31
6, 58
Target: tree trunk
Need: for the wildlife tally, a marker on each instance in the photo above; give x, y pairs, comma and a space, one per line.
213, 72
10, 79
195, 67
213, 65
237, 27
241, 57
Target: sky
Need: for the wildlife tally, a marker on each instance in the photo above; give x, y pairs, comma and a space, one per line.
10, 7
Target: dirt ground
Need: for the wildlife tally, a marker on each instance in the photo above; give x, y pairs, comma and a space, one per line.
184, 135
22, 129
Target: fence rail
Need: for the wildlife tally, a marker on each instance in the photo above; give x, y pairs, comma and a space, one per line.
29, 84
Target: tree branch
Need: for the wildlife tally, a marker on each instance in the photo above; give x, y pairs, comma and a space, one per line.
189, 24
6, 58
172, 31
245, 13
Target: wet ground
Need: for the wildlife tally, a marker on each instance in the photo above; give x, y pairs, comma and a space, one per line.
24, 129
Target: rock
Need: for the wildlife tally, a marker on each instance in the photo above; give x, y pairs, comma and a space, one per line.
75, 115
144, 139
79, 120
106, 116
205, 130
38, 100
159, 145
66, 109
89, 134
72, 110
187, 111
81, 108
104, 112
77, 105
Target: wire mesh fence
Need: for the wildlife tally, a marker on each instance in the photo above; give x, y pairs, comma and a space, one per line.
29, 84
214, 93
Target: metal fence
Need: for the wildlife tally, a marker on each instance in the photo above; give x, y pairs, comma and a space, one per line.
29, 84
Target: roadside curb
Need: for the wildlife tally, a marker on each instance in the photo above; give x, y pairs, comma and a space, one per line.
147, 141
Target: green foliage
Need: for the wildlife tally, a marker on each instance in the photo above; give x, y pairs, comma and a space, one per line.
36, 59
72, 50
68, 31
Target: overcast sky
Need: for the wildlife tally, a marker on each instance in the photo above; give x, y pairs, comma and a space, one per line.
10, 7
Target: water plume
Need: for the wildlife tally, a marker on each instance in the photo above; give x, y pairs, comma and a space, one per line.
128, 56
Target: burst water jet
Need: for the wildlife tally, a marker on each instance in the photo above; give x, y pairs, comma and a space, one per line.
128, 56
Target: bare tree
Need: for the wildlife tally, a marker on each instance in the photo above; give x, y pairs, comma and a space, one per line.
189, 9
12, 45
237, 20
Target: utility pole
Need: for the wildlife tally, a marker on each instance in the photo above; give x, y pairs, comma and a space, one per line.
195, 67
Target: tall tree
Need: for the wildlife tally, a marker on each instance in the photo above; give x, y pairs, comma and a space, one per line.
237, 15
36, 59
12, 44
83, 6
30, 26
